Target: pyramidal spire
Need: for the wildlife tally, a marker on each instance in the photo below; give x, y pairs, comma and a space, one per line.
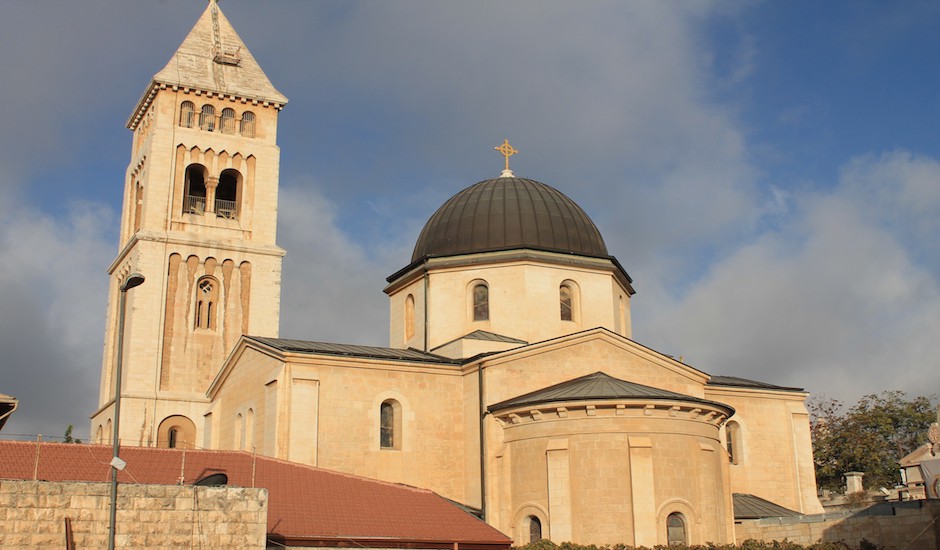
214, 58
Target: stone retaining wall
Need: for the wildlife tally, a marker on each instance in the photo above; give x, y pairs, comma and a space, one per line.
32, 515
897, 526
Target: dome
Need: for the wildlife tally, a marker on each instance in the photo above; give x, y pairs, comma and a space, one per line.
509, 213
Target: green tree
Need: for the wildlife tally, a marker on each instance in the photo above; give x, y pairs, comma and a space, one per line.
870, 437
68, 436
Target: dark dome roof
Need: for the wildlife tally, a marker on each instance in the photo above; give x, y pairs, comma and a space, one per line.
509, 213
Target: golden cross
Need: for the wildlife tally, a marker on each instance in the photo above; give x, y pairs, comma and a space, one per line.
507, 151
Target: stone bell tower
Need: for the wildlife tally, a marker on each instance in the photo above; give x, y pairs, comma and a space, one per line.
199, 221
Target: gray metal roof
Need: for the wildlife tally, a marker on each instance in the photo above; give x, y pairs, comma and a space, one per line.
509, 213
746, 383
492, 337
351, 350
753, 507
598, 386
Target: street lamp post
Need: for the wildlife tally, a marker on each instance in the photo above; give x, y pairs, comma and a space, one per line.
134, 279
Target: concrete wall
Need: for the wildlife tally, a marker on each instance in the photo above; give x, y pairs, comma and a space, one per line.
901, 526
32, 515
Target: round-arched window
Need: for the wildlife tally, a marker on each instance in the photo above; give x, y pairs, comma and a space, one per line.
675, 529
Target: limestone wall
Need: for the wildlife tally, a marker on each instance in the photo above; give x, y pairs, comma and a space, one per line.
892, 528
32, 515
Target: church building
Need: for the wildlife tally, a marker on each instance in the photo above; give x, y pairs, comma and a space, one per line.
511, 383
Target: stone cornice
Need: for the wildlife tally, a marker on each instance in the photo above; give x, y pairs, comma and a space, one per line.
517, 256
762, 393
163, 238
713, 414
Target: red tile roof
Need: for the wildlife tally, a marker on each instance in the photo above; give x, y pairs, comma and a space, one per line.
305, 504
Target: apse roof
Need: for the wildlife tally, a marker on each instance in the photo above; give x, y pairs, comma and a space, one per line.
304, 503
509, 213
596, 386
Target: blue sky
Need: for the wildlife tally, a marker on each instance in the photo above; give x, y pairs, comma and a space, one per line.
768, 172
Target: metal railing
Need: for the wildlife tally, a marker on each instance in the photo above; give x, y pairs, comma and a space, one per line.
194, 205
226, 209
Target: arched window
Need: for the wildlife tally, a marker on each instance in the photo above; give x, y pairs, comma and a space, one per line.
733, 441
176, 432
187, 114
226, 194
481, 302
675, 529
535, 529
390, 425
109, 432
409, 317
248, 124
207, 300
227, 122
207, 118
194, 202
565, 299
99, 437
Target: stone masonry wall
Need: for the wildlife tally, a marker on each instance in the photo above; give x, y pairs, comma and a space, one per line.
32, 515
891, 528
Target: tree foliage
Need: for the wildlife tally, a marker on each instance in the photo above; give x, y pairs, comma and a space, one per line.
68, 436
871, 437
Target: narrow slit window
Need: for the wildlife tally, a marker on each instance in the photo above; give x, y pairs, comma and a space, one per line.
387, 427
733, 441
564, 297
481, 302
409, 317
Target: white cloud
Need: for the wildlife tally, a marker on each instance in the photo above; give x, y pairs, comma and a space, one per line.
53, 284
331, 284
832, 301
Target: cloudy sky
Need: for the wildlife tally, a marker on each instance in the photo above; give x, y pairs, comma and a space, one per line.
767, 172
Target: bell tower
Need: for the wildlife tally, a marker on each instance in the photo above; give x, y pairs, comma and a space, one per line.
199, 222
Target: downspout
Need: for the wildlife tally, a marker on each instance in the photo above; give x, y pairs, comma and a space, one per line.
482, 444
